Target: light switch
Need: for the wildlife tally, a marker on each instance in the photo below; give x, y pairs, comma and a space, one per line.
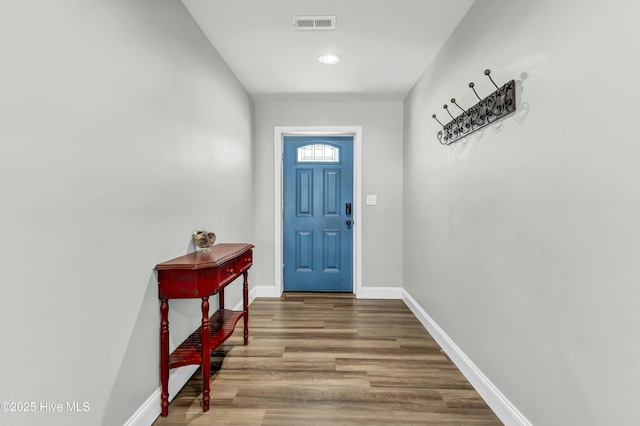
372, 200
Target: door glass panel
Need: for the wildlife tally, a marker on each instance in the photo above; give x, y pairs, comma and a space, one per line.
318, 153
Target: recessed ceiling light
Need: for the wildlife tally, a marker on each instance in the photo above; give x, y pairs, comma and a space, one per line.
329, 58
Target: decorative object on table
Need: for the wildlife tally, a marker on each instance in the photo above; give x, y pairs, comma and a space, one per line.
499, 104
203, 240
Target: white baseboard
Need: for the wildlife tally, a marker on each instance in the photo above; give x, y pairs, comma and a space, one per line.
266, 291
151, 409
500, 405
252, 297
381, 293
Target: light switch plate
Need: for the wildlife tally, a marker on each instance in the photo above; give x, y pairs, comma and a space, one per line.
372, 200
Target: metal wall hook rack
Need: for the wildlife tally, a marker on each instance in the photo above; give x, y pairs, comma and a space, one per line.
497, 105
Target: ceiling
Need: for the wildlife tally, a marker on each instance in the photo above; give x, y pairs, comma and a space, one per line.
385, 45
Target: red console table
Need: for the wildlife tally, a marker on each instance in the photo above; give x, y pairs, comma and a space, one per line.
200, 275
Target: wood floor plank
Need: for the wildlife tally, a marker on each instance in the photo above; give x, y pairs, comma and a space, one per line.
331, 359
346, 397
393, 366
318, 343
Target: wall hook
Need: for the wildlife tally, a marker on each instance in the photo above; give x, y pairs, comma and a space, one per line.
474, 90
447, 109
434, 116
453, 101
487, 72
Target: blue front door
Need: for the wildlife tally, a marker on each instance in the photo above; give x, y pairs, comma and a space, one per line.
318, 213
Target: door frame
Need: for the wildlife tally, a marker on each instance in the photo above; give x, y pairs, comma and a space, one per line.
279, 132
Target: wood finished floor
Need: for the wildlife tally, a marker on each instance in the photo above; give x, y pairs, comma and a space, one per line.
331, 359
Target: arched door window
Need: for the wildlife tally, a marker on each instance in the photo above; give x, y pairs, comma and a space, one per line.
317, 153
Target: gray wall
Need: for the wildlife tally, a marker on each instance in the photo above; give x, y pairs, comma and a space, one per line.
121, 131
522, 242
382, 175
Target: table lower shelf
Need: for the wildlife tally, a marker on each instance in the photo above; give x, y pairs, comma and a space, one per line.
222, 324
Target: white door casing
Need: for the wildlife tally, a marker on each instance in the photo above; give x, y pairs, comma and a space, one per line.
356, 132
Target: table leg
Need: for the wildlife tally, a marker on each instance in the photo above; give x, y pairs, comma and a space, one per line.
164, 356
221, 298
206, 354
245, 305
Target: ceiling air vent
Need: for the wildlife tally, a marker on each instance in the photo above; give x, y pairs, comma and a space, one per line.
314, 23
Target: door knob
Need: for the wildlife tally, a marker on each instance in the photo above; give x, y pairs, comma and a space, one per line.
349, 222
